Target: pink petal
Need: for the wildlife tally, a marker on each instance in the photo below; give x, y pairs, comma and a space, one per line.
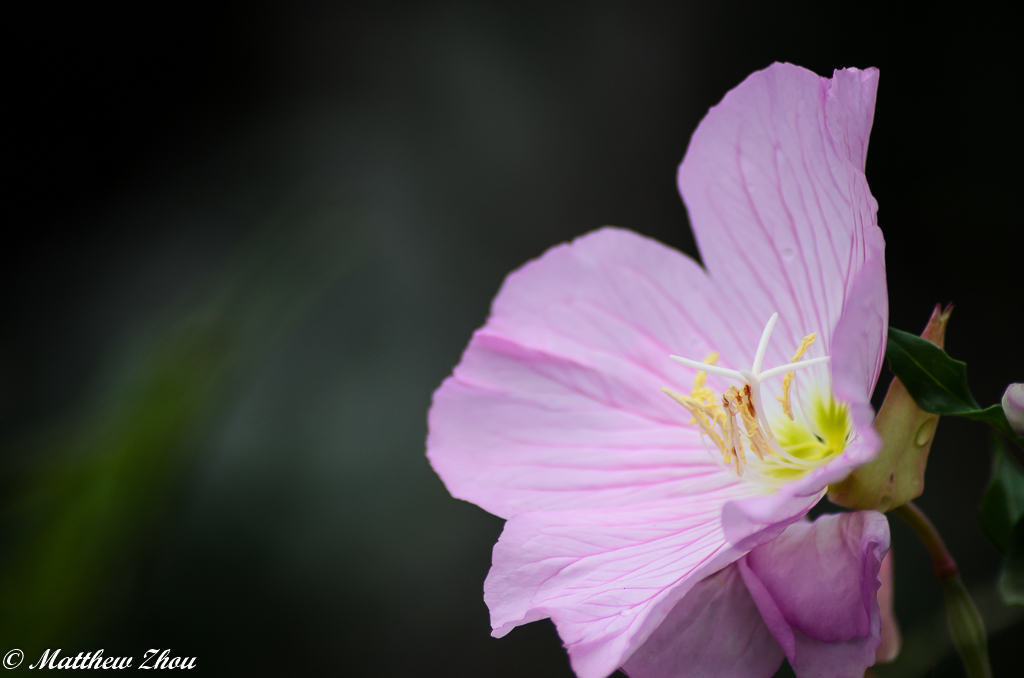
850, 110
750, 521
775, 187
858, 345
891, 638
606, 578
816, 587
774, 184
623, 301
557, 402
715, 630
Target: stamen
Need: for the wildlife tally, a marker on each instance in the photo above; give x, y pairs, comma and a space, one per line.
700, 389
740, 404
754, 382
732, 432
758, 443
700, 413
787, 381
741, 415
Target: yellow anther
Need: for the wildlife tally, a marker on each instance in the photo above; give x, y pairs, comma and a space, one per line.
699, 382
705, 395
726, 423
732, 403
787, 380
703, 415
744, 407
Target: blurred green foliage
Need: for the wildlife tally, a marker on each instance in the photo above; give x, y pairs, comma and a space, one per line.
927, 643
1002, 518
1002, 505
84, 503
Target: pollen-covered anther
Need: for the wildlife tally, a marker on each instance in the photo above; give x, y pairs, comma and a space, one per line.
736, 418
706, 417
759, 442
705, 395
733, 441
787, 381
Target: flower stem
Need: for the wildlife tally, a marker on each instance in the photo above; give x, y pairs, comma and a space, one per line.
966, 627
942, 562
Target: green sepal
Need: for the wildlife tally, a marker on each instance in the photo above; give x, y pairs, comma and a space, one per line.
1002, 505
938, 383
966, 628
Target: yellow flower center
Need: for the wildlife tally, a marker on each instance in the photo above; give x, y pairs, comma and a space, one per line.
736, 423
811, 443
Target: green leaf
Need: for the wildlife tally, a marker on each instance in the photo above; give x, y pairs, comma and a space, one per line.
1011, 578
1002, 505
938, 383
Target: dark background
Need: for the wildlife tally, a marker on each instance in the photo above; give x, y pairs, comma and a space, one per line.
303, 530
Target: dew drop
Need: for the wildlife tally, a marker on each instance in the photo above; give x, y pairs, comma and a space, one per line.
924, 434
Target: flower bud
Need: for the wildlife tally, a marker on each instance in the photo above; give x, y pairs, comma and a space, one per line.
896, 475
1013, 407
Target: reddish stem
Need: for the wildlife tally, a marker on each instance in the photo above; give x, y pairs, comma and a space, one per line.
942, 562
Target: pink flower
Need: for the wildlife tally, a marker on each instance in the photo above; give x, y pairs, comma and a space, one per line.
667, 532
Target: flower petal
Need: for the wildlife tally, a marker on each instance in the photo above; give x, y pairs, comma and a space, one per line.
614, 294
606, 578
715, 630
816, 587
557, 402
774, 184
891, 637
750, 521
858, 345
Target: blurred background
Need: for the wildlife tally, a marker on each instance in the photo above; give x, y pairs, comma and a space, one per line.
246, 241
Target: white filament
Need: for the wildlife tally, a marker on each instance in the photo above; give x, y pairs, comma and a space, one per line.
762, 345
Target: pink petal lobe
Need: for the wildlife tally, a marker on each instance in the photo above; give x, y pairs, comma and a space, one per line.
750, 521
606, 578
715, 630
774, 184
858, 346
816, 587
891, 637
850, 111
557, 402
